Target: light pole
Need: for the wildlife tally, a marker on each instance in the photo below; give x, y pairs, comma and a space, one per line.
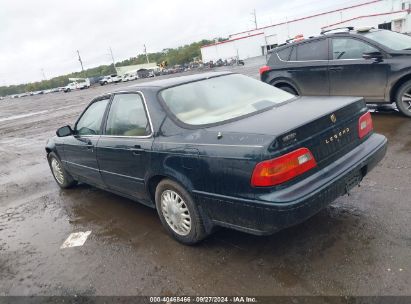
44, 75
145, 52
112, 57
81, 62
254, 14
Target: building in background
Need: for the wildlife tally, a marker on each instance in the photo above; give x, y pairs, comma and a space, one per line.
387, 14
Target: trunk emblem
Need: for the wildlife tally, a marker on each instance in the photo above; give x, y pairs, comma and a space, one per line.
333, 118
289, 137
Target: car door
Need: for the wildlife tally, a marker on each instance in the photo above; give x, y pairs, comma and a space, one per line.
123, 152
352, 75
80, 149
309, 68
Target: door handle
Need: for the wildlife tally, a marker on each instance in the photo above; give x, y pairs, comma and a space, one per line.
137, 150
336, 69
89, 145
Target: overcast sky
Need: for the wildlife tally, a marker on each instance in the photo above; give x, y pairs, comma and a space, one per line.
45, 34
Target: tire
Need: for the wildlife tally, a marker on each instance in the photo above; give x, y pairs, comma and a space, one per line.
65, 180
288, 89
403, 101
168, 191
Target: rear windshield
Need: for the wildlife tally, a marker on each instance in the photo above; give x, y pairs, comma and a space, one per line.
221, 98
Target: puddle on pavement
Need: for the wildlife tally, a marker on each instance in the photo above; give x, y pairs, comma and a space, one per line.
407, 147
387, 123
392, 125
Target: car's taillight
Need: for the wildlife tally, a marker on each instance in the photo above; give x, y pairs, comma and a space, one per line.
365, 125
281, 169
264, 69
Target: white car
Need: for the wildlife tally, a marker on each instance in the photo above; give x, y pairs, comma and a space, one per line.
129, 77
110, 79
77, 85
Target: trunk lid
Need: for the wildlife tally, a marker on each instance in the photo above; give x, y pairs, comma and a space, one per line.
328, 126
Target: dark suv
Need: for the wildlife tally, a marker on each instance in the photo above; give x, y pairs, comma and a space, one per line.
374, 64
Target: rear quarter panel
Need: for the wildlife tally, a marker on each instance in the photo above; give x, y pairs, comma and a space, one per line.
279, 72
203, 163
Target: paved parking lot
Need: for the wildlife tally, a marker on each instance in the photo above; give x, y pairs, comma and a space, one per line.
359, 245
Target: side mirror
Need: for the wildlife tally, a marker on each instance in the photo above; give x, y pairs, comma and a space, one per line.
64, 131
377, 56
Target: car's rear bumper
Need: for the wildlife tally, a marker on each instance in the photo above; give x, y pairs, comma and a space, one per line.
292, 205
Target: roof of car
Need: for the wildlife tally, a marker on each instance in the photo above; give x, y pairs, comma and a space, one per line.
325, 35
173, 81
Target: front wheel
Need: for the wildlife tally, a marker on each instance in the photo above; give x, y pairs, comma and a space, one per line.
178, 213
62, 177
403, 99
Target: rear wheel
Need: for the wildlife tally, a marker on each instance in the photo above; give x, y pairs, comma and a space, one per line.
403, 99
287, 88
178, 213
62, 177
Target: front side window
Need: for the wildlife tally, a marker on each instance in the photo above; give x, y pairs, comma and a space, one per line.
127, 116
314, 50
346, 48
221, 98
90, 122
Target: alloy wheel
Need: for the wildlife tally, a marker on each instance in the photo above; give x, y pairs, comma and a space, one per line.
175, 212
57, 171
406, 100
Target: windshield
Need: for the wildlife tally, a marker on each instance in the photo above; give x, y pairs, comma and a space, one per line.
393, 40
221, 98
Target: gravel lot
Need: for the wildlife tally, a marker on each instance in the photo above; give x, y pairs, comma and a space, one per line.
359, 245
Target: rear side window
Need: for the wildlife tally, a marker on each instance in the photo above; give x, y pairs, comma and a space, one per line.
284, 54
315, 50
127, 116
